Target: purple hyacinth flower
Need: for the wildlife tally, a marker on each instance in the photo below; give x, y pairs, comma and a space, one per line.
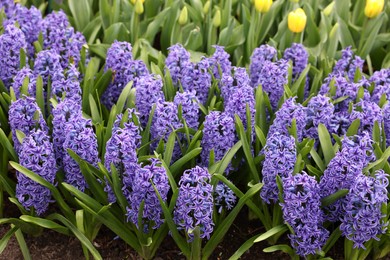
302, 211
319, 110
65, 112
194, 205
177, 60
231, 82
29, 20
259, 56
381, 81
343, 169
19, 79
239, 101
272, 77
46, 65
148, 92
363, 218
348, 64
219, 62
81, 139
124, 68
65, 84
386, 122
25, 116
196, 77
299, 57
8, 6
224, 197
61, 38
368, 113
121, 151
283, 121
280, 156
36, 155
11, 41
189, 107
218, 135
143, 191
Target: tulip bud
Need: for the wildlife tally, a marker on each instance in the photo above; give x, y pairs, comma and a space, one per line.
206, 7
183, 16
263, 6
373, 8
294, 1
139, 7
217, 19
296, 20
329, 9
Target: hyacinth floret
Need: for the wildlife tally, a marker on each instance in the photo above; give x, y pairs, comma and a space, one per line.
19, 79
143, 191
8, 6
219, 62
65, 112
319, 110
46, 64
224, 197
284, 116
231, 82
194, 205
148, 92
302, 211
259, 56
218, 135
29, 20
196, 77
272, 77
363, 219
65, 84
25, 116
121, 151
36, 155
81, 139
11, 42
177, 60
280, 156
189, 107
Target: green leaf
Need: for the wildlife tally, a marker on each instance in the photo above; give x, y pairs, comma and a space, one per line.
176, 166
271, 232
4, 240
123, 97
354, 127
7, 145
317, 159
284, 248
80, 236
81, 12
45, 223
169, 146
326, 143
328, 200
22, 245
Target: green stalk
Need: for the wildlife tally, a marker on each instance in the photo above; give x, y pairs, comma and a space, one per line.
196, 245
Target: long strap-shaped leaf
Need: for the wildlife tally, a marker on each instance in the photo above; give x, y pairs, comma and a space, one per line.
223, 228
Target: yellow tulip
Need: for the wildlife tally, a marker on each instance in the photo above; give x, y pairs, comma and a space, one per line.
206, 7
373, 8
296, 20
263, 6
